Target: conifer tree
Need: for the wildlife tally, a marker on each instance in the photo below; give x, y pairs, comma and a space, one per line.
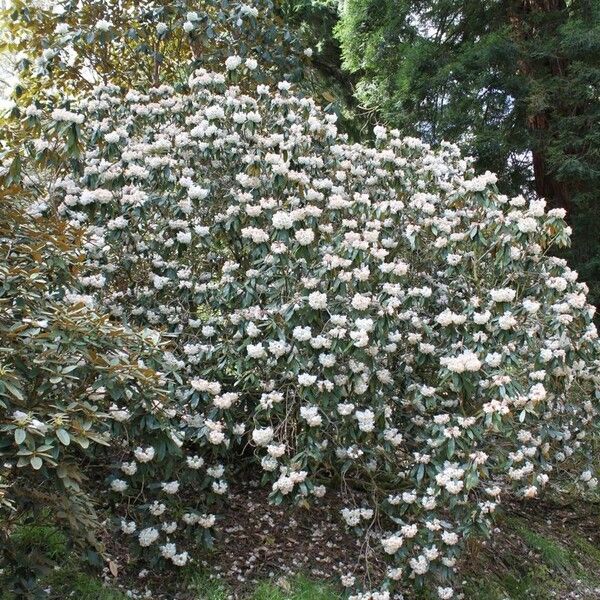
515, 80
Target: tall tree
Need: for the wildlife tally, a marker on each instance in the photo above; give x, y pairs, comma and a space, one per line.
517, 81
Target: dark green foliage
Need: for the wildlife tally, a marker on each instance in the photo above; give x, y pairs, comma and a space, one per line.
313, 21
31, 550
516, 82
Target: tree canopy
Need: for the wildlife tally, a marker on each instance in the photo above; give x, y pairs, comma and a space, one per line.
515, 82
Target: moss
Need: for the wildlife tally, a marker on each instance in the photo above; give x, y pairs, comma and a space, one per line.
533, 584
544, 575
484, 590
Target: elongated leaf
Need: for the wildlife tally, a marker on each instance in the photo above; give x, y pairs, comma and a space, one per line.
20, 435
63, 436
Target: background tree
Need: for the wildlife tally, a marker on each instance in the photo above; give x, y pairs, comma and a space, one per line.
314, 21
74, 45
516, 81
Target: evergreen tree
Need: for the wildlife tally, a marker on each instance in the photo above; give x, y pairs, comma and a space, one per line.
515, 80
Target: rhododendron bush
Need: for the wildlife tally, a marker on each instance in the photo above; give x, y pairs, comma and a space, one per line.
63, 365
378, 322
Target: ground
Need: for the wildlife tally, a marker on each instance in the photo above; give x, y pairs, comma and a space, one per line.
549, 549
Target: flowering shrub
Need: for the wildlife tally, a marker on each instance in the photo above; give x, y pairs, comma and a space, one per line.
63, 367
378, 318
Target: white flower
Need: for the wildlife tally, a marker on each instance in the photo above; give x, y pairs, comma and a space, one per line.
282, 220
537, 393
118, 485
129, 468
207, 521
527, 225
103, 25
262, 436
503, 295
171, 487
196, 192
302, 334
467, 361
128, 527
168, 550
225, 401
60, 114
120, 415
392, 544
148, 536
169, 527
304, 237
420, 564
233, 62
184, 237
144, 455
317, 300
327, 360
157, 508
112, 138
361, 302
450, 538
306, 379
366, 420
180, 560
311, 415
256, 350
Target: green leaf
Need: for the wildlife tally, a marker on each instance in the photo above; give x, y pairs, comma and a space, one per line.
36, 462
83, 442
20, 435
451, 447
420, 472
15, 391
63, 436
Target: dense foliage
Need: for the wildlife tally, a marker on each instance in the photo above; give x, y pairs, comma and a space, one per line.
515, 82
63, 365
75, 45
208, 277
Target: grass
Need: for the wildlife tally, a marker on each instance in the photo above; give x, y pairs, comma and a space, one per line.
207, 588
69, 582
297, 588
549, 566
551, 552
51, 541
